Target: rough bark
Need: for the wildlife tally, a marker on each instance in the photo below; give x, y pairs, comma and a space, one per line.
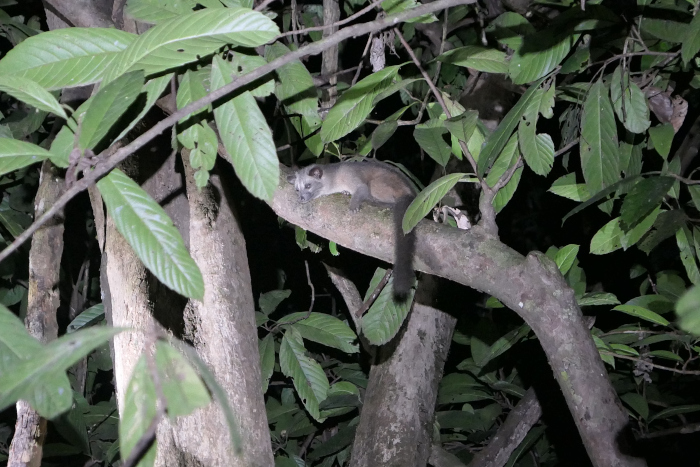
532, 286
222, 329
396, 422
43, 300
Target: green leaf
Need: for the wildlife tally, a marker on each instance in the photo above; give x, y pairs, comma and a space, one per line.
632, 236
15, 154
667, 355
107, 106
182, 388
87, 318
189, 37
567, 187
392, 7
309, 379
324, 329
637, 402
600, 195
498, 139
66, 57
427, 199
501, 345
139, 412
397, 86
296, 91
683, 238
356, 104
675, 411
629, 102
477, 58
644, 197
643, 313
266, 349
688, 311
565, 257
662, 137
151, 233
508, 157
462, 126
665, 225
691, 41
247, 138
667, 30
598, 298
153, 89
537, 150
383, 132
608, 238
599, 151
429, 137
15, 342
385, 316
29, 92
269, 301
540, 54
41, 379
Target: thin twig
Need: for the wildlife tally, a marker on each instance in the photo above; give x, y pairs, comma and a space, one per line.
144, 442
263, 5
315, 48
505, 178
362, 59
678, 430
375, 293
369, 7
566, 148
654, 365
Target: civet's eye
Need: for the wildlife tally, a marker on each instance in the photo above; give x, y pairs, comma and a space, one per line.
307, 186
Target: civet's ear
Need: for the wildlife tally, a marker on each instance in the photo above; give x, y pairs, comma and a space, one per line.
291, 178
316, 172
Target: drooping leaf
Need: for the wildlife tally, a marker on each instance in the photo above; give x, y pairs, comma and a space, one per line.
598, 298
247, 138
540, 53
662, 137
643, 198
29, 92
184, 392
41, 379
637, 402
691, 41
189, 37
665, 225
675, 411
356, 104
537, 150
324, 329
502, 344
383, 132
688, 311
567, 187
565, 257
15, 154
498, 139
156, 11
462, 126
87, 318
15, 342
107, 106
153, 89
477, 58
508, 157
608, 238
427, 199
683, 239
429, 137
385, 317
309, 379
599, 151
296, 91
66, 57
266, 349
600, 195
151, 233
629, 102
139, 411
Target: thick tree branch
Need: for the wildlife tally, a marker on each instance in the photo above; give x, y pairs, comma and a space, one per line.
105, 165
532, 286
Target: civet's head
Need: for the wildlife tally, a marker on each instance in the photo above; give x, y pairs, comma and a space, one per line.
308, 182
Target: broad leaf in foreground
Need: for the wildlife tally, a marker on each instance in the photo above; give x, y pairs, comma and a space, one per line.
15, 154
356, 104
29, 92
189, 37
139, 411
324, 329
66, 57
247, 138
309, 379
428, 198
385, 317
151, 233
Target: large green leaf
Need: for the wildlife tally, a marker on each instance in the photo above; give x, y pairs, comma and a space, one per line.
183, 390
662, 137
683, 239
41, 378
629, 102
643, 198
643, 313
356, 104
477, 58
498, 139
15, 154
501, 345
187, 38
153, 89
538, 150
688, 311
508, 157
608, 238
15, 342
539, 54
599, 151
107, 106
31, 93
139, 412
567, 187
296, 91
309, 379
247, 138
151, 233
266, 349
324, 329
429, 137
385, 316
66, 57
428, 198
691, 41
